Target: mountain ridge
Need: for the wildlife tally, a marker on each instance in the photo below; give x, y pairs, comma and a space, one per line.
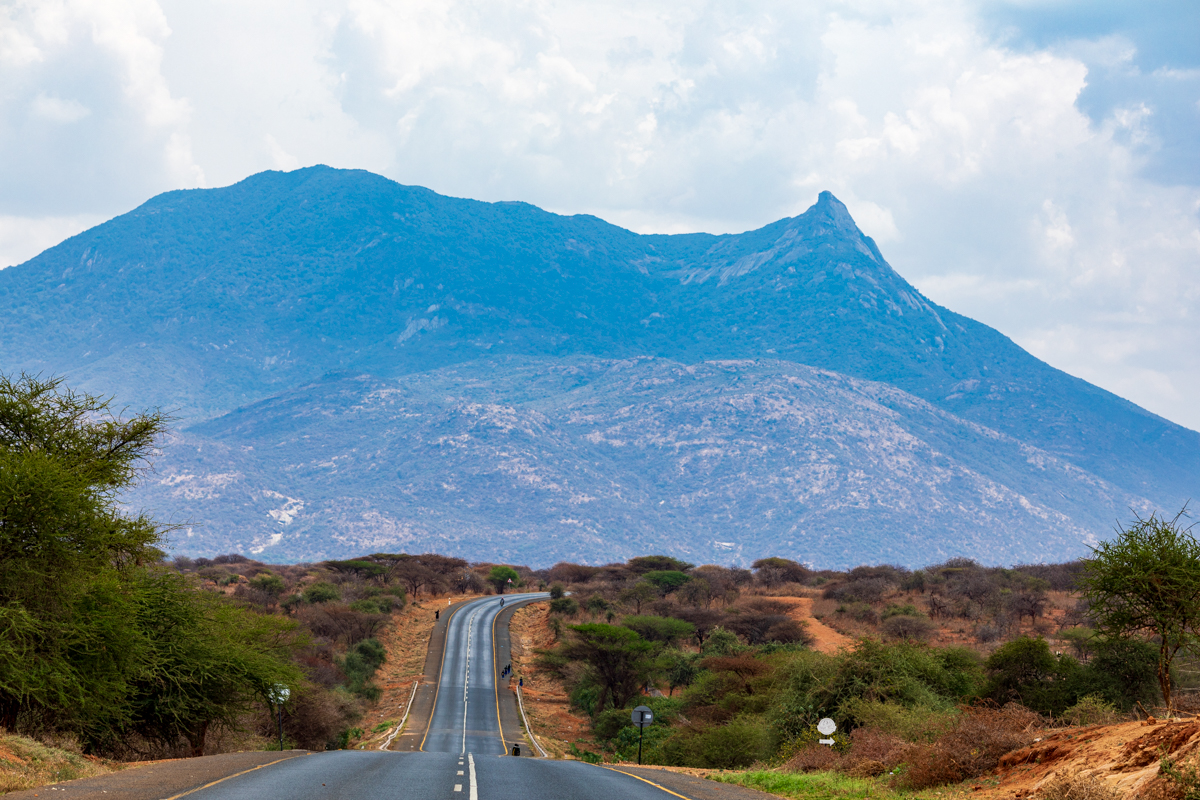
208, 300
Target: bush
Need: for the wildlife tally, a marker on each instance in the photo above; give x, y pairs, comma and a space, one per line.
1092, 710
971, 748
893, 610
567, 606
788, 631
987, 632
859, 612
904, 627
919, 724
867, 752
720, 642
360, 665
557, 591
905, 672
736, 744
321, 592
863, 590
267, 582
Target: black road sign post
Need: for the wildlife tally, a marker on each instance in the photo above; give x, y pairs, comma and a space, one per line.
642, 716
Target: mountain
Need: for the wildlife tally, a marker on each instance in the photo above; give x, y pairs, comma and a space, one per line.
537, 460
206, 301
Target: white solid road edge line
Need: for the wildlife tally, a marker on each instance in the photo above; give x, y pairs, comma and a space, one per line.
404, 719
474, 786
528, 729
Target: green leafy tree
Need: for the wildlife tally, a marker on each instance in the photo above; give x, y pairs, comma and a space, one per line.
1147, 582
667, 630
619, 661
66, 550
208, 661
638, 595
667, 581
501, 577
642, 564
96, 638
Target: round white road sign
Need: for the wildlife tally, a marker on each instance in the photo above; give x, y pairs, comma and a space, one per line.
826, 726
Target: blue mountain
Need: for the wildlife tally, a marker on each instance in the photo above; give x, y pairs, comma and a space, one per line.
223, 303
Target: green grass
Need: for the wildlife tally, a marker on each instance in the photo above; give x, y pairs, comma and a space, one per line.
815, 785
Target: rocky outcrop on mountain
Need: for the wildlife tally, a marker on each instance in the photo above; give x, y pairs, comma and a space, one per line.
539, 460
207, 301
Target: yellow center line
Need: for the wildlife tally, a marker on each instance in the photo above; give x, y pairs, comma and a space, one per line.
438, 688
496, 686
227, 777
643, 780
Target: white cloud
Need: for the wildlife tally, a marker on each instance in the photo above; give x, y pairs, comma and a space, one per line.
970, 160
56, 109
21, 238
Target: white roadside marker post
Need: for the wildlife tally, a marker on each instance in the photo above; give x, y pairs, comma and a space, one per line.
826, 727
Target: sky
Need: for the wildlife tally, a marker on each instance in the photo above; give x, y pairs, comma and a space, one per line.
1033, 164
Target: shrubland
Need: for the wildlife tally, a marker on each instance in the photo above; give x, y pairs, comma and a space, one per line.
107, 646
108, 649
956, 658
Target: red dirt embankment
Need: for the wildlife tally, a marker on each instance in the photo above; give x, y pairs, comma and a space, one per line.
1124, 757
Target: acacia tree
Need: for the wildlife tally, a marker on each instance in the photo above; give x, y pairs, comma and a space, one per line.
95, 638
66, 551
500, 577
620, 661
1147, 581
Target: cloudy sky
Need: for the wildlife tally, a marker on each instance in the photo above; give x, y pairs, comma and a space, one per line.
1034, 164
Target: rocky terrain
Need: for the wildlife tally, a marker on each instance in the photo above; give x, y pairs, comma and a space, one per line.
541, 460
353, 363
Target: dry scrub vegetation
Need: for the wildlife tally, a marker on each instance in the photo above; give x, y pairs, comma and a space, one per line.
933, 675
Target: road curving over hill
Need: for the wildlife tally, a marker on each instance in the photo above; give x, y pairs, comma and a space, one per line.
465, 749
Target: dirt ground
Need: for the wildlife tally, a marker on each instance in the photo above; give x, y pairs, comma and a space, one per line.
1124, 757
825, 639
546, 703
406, 641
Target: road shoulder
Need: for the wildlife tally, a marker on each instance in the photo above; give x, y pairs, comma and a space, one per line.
692, 787
164, 779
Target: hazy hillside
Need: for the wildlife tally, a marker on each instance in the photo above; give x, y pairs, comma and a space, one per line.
540, 460
206, 300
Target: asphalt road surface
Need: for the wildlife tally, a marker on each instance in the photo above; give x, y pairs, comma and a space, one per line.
463, 756
466, 712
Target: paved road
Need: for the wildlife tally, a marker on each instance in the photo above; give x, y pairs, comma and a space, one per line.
360, 774
466, 713
463, 755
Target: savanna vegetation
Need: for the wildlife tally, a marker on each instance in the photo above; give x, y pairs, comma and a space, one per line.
107, 645
109, 649
956, 658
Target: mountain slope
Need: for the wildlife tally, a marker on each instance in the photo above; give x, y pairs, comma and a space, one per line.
539, 459
207, 300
